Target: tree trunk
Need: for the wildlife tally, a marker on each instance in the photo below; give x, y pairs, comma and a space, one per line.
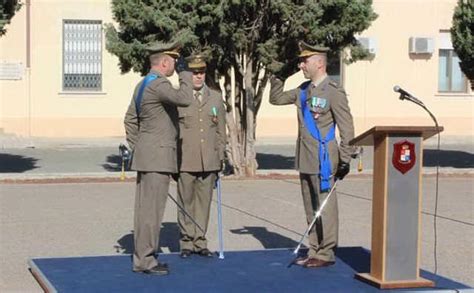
234, 158
233, 150
241, 123
250, 153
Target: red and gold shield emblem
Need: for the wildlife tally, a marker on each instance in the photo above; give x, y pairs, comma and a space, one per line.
404, 157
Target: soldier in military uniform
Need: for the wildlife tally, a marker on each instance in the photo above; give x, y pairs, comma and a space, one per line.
201, 153
151, 125
321, 105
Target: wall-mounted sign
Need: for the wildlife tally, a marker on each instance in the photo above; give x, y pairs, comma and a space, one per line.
11, 70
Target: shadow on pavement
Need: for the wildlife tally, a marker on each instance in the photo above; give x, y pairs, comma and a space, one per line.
447, 158
455, 159
267, 238
169, 237
274, 161
16, 163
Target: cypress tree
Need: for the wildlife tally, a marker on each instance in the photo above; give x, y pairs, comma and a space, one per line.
246, 41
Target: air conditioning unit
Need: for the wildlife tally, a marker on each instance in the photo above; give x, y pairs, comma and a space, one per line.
368, 43
421, 45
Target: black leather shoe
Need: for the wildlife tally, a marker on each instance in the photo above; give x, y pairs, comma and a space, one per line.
205, 252
159, 269
185, 253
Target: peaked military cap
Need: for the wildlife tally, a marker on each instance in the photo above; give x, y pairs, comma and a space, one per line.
171, 48
196, 62
307, 50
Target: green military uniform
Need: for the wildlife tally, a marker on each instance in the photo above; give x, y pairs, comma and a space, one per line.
333, 109
201, 151
152, 135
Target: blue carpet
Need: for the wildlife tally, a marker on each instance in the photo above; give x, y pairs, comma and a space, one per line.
240, 271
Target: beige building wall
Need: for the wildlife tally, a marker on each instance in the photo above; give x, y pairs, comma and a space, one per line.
36, 105
369, 83
13, 93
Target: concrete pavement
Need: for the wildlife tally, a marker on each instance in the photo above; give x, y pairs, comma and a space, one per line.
48, 220
95, 217
50, 158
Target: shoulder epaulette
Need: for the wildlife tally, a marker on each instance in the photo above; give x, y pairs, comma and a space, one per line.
337, 86
334, 84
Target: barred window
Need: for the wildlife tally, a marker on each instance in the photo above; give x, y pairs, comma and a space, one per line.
82, 55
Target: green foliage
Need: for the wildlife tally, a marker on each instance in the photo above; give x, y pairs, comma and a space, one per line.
265, 31
253, 37
462, 36
143, 22
7, 10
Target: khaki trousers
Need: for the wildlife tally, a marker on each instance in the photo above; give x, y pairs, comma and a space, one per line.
194, 195
150, 202
323, 237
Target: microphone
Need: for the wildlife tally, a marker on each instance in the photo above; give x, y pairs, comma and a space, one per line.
405, 95
398, 89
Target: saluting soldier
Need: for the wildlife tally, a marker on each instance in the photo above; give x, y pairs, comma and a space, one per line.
151, 125
321, 105
201, 154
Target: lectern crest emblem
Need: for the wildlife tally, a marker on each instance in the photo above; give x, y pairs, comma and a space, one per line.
404, 157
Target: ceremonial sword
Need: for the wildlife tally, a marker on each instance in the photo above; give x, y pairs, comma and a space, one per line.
184, 212
316, 216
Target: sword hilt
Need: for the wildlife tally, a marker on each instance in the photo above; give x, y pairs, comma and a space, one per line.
122, 173
125, 156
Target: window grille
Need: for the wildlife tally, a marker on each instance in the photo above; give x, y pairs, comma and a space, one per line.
82, 55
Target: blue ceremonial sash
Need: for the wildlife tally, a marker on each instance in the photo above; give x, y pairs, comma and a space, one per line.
325, 170
138, 100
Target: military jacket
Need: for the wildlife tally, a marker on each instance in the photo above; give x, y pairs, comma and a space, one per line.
333, 108
153, 135
202, 133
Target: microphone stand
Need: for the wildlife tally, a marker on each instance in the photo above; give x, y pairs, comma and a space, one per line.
420, 103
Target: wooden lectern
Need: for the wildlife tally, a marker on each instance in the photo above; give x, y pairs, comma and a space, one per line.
396, 206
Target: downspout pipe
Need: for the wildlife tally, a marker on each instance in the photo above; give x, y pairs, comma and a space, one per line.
28, 64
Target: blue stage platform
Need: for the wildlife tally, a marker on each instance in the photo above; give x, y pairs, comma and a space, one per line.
240, 271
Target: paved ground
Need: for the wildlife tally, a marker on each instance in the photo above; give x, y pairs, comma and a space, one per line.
87, 218
101, 158
46, 220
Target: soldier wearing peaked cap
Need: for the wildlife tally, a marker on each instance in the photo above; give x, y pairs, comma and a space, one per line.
170, 49
201, 153
307, 50
151, 125
321, 105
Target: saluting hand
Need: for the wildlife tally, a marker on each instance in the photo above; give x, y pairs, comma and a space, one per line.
281, 70
181, 65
